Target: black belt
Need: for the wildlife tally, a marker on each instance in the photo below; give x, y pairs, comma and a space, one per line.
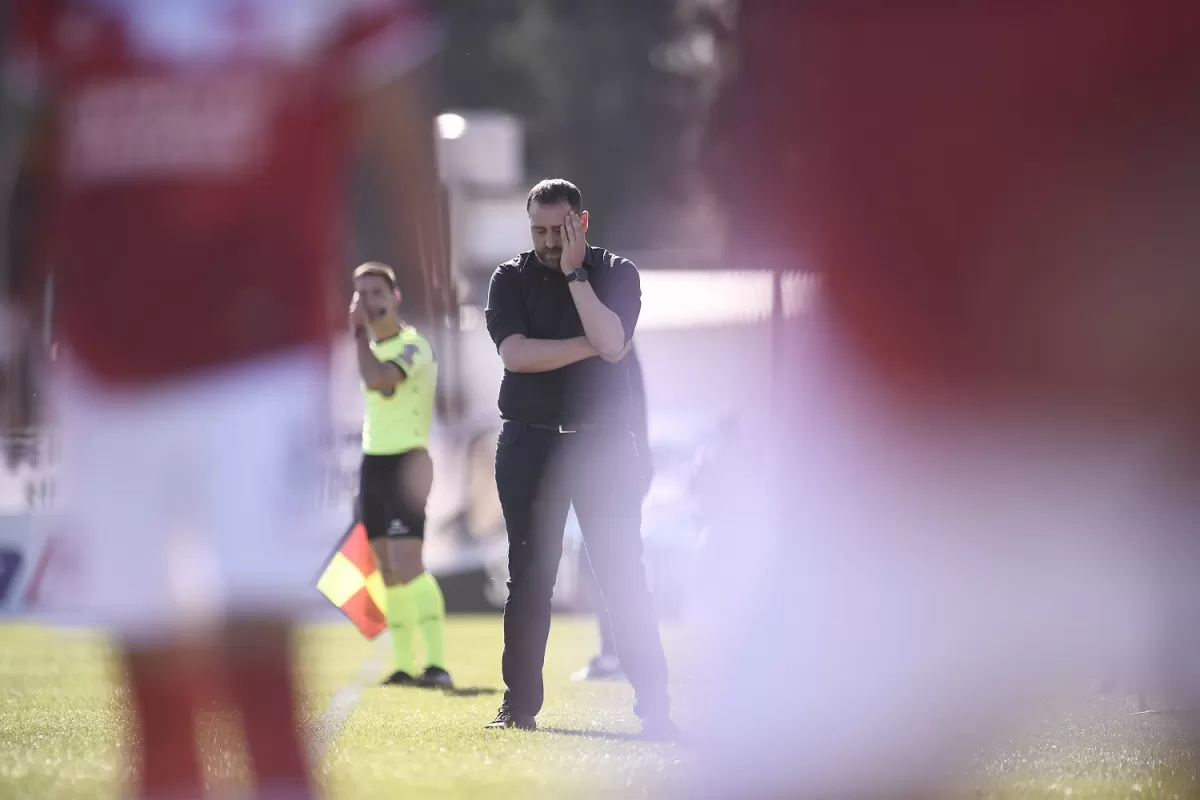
577, 427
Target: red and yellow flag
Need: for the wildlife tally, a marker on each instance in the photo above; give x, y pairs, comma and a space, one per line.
352, 582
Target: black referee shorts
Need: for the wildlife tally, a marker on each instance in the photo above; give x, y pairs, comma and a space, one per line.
392, 493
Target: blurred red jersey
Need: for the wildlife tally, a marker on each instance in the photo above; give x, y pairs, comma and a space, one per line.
1000, 195
194, 214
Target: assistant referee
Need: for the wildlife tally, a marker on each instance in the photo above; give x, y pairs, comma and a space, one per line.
399, 379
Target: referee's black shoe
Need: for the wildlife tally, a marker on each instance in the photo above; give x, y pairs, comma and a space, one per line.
401, 678
507, 719
436, 678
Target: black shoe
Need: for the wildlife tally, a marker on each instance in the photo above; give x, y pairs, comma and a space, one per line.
401, 678
507, 719
436, 678
659, 729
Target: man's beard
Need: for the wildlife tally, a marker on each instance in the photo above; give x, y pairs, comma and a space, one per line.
549, 258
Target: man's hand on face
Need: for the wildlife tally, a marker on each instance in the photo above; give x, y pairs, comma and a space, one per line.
574, 244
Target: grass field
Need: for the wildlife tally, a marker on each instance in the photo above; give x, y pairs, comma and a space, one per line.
60, 724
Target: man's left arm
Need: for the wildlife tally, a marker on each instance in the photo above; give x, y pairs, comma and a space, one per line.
608, 325
606, 328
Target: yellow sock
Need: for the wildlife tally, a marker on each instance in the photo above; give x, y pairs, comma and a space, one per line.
402, 621
426, 598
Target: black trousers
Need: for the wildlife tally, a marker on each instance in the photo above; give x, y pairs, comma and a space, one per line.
587, 584
539, 474
587, 578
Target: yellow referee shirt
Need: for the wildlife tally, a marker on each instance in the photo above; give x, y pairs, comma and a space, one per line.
400, 422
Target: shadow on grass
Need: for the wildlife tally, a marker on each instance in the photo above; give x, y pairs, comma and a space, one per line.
612, 736
470, 691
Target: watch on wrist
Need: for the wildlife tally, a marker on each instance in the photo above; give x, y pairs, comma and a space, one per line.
578, 275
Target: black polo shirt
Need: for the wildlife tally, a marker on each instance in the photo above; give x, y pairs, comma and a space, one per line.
525, 297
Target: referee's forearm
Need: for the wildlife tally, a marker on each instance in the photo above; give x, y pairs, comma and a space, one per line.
369, 367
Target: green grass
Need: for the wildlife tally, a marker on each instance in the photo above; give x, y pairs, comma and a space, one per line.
61, 726
1092, 748
60, 722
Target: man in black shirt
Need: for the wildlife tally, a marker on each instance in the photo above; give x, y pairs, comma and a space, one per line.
562, 317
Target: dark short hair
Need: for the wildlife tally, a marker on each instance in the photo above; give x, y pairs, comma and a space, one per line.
377, 270
553, 191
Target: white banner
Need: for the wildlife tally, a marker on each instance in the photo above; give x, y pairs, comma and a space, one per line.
465, 535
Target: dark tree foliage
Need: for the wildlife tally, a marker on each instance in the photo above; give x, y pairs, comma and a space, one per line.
606, 98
